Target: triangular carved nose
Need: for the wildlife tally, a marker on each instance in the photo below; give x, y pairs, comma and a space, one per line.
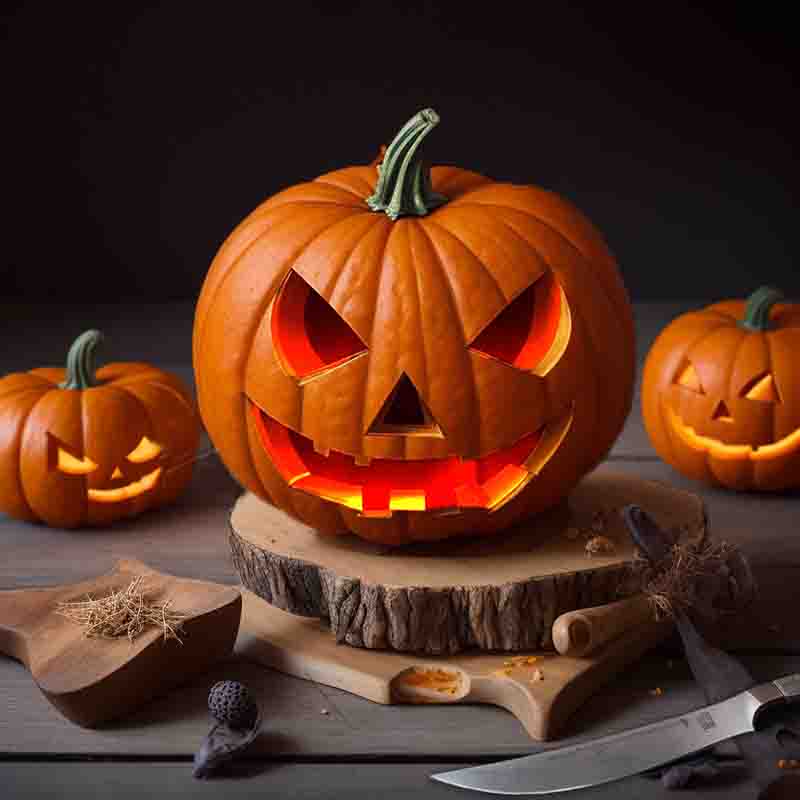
405, 413
721, 413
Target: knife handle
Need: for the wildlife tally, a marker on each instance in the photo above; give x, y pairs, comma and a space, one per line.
789, 686
579, 633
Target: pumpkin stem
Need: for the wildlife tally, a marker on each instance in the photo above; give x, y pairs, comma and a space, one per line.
759, 304
80, 361
404, 182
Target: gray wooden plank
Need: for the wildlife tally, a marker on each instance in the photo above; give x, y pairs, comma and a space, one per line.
249, 779
190, 537
295, 724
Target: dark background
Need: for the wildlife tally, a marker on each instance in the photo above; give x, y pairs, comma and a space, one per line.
135, 139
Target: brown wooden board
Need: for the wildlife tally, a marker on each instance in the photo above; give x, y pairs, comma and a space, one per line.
541, 689
92, 680
501, 592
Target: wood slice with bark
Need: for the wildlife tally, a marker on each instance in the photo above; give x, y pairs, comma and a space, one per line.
492, 593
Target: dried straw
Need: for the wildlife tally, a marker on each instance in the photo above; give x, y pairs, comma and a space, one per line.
691, 577
126, 612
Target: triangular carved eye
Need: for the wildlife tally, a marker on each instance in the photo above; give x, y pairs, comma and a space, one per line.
761, 388
309, 335
532, 332
689, 379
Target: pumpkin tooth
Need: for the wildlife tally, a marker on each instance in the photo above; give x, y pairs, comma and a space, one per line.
362, 460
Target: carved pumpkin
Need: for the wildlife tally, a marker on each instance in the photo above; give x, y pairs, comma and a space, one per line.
721, 393
79, 447
442, 368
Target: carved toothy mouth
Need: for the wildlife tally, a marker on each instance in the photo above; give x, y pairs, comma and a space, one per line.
721, 450
127, 492
384, 485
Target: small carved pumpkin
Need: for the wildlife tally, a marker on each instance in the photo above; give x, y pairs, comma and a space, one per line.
442, 368
721, 393
79, 447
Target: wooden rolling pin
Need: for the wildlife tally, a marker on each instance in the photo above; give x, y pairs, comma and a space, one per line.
578, 633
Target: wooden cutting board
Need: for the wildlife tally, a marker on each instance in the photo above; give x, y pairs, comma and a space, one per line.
307, 648
91, 680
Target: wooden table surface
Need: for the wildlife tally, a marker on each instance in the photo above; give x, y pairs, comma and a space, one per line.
357, 748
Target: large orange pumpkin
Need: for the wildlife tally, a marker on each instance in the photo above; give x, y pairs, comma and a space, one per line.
721, 393
79, 447
442, 368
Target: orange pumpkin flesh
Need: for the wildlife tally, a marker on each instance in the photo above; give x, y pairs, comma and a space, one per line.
115, 443
413, 378
721, 396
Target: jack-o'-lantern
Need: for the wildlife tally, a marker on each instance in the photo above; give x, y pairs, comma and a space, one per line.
408, 353
721, 393
85, 447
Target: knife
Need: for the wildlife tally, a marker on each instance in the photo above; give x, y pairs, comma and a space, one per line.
719, 674
630, 752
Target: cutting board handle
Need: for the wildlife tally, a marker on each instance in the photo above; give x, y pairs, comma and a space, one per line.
19, 617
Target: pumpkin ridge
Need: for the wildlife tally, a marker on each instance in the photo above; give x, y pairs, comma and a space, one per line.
615, 302
326, 181
363, 394
327, 291
246, 342
200, 324
587, 259
225, 260
155, 380
437, 223
581, 256
599, 383
45, 385
736, 353
771, 366
18, 456
473, 395
445, 274
214, 282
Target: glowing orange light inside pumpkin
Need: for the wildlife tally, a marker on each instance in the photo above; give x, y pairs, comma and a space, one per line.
74, 466
146, 450
690, 379
762, 389
532, 332
126, 492
309, 335
385, 485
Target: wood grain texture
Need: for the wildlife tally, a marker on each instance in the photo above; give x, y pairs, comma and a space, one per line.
541, 689
190, 539
93, 680
493, 593
319, 781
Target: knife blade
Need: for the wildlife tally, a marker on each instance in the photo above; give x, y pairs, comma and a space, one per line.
629, 752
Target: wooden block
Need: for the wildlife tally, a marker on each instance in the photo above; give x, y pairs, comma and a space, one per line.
501, 592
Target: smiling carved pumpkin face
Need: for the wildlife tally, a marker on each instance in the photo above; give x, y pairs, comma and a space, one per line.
721, 394
444, 368
79, 447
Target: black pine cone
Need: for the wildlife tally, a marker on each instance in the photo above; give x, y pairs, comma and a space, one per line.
231, 703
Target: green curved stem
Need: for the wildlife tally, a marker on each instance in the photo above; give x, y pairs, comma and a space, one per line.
759, 304
404, 182
80, 361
